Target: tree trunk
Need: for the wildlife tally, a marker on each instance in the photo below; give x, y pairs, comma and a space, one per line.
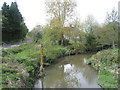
62, 40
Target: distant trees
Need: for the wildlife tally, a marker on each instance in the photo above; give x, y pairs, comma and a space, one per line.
112, 24
36, 33
13, 26
89, 27
89, 35
108, 33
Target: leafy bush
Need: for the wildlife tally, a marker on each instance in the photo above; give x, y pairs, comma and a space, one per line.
52, 53
106, 59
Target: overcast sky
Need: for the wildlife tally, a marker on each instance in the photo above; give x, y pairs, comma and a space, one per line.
34, 12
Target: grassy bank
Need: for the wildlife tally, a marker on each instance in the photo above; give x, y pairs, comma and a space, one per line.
20, 65
106, 62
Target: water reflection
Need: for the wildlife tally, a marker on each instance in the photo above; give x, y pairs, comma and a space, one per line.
70, 72
68, 68
85, 60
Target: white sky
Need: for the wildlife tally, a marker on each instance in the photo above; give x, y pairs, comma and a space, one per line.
34, 12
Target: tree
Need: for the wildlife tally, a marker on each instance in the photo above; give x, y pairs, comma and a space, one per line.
89, 26
36, 33
61, 11
5, 22
13, 26
112, 24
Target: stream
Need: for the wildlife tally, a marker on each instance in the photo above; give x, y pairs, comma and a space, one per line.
69, 72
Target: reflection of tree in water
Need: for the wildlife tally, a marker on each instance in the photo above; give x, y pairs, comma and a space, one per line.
72, 81
69, 78
70, 72
88, 73
55, 78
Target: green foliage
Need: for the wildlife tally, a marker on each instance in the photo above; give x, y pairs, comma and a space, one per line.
61, 11
108, 33
30, 69
107, 79
50, 41
25, 60
105, 34
12, 73
106, 61
19, 67
79, 47
52, 52
15, 50
21, 63
6, 69
13, 26
90, 42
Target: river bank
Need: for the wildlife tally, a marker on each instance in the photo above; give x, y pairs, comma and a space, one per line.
21, 64
106, 62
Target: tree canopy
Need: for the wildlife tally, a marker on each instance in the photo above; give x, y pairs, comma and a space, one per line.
13, 26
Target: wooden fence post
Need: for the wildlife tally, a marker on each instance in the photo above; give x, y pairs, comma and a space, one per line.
41, 59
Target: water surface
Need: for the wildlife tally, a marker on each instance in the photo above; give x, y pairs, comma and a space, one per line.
69, 72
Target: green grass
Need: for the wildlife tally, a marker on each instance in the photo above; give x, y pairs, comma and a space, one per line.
107, 79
